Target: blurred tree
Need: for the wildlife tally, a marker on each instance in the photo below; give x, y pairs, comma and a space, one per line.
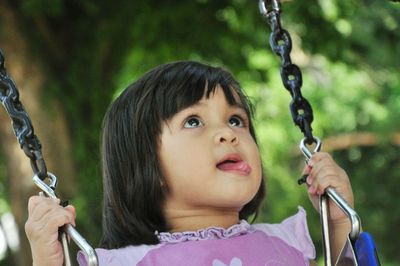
44, 112
86, 51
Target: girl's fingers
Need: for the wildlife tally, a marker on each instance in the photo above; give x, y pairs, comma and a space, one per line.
325, 173
37, 201
46, 216
47, 229
320, 161
59, 217
33, 203
314, 165
310, 180
58, 220
319, 185
43, 206
307, 169
328, 170
318, 156
71, 209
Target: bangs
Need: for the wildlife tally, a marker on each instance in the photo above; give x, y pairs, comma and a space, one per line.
186, 85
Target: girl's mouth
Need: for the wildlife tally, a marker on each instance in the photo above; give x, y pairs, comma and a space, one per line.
233, 163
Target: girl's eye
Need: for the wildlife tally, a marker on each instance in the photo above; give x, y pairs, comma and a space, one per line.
236, 121
193, 122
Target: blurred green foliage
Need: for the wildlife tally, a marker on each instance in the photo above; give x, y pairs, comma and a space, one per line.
348, 51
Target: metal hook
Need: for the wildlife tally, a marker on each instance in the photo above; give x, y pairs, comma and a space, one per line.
307, 153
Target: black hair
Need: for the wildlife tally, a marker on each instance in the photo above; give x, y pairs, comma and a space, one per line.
132, 176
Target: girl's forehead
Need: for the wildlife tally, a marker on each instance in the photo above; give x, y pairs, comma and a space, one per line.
232, 101
231, 96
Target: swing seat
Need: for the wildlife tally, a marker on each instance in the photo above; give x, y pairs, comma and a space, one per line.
361, 252
365, 250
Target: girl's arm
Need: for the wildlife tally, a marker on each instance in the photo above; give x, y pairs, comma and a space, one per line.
323, 173
338, 234
45, 218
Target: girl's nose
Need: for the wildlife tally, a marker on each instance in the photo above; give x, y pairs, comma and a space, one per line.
226, 136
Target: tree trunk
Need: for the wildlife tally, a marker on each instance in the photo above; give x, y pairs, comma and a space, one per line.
48, 120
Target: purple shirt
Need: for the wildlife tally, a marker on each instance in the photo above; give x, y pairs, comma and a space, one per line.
287, 243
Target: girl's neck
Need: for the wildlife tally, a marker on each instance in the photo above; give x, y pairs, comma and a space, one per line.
187, 220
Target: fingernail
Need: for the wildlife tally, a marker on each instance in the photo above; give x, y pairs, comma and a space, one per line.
309, 180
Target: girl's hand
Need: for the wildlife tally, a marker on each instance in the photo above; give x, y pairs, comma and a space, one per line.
323, 172
45, 218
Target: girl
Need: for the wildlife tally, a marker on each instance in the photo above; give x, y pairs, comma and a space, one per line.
182, 173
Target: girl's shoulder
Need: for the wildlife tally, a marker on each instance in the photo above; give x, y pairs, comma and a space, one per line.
130, 255
293, 231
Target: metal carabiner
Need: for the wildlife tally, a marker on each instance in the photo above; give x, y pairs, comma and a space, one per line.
307, 152
47, 188
66, 229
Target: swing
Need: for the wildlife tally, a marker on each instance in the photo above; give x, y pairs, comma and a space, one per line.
359, 249
32, 148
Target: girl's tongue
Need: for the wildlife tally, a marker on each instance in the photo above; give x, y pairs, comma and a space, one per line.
237, 166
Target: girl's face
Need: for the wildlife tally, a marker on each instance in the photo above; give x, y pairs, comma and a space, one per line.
209, 158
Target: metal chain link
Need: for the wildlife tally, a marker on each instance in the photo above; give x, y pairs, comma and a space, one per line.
21, 122
281, 44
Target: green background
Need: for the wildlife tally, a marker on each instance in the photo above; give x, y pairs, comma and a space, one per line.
348, 51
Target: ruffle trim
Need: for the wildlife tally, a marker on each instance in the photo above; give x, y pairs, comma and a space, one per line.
205, 234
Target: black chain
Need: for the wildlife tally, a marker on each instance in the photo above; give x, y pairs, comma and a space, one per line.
21, 122
281, 44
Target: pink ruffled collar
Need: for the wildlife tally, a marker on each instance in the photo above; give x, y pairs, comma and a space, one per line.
205, 234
